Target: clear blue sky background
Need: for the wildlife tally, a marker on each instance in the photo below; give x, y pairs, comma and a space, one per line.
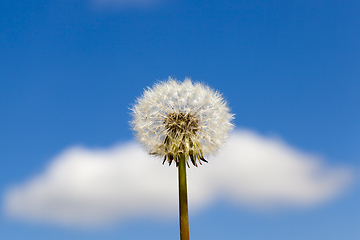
69, 71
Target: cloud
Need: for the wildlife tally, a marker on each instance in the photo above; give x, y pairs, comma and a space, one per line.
95, 186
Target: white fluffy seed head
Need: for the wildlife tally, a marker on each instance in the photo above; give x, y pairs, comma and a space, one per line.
174, 118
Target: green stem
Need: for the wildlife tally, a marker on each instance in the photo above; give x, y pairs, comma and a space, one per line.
183, 204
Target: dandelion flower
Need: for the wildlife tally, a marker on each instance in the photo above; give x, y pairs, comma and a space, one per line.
175, 118
181, 120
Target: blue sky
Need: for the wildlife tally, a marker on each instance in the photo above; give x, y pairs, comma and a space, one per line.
70, 71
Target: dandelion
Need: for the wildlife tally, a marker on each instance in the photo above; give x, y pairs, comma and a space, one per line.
181, 121
174, 118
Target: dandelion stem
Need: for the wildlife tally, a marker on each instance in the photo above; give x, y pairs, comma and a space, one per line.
183, 203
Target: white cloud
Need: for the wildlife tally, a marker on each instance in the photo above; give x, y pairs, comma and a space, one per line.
84, 186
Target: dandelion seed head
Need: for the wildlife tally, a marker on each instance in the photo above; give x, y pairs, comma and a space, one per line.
174, 118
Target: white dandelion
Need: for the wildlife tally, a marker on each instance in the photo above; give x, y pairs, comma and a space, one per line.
174, 118
181, 120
